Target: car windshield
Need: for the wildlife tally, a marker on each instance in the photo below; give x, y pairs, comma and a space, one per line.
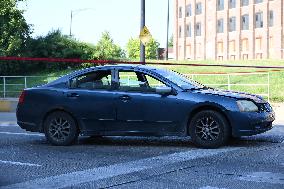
180, 80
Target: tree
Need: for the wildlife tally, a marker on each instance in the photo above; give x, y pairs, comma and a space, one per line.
14, 31
133, 49
57, 45
107, 50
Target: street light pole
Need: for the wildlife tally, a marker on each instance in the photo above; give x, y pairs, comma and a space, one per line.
168, 18
71, 19
142, 47
73, 14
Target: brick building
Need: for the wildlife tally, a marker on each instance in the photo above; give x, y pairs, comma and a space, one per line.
228, 29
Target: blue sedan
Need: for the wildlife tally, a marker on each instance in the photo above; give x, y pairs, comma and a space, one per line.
127, 100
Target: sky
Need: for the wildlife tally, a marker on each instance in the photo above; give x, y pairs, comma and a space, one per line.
119, 17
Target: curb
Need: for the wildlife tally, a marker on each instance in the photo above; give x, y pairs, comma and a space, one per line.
8, 105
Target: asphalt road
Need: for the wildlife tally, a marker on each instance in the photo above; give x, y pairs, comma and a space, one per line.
28, 161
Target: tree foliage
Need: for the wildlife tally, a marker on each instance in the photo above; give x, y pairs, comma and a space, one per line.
107, 50
57, 45
133, 48
15, 40
14, 30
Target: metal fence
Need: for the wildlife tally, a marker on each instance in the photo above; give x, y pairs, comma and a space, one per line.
261, 84
11, 86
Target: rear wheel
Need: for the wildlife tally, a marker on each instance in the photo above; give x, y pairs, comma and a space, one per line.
209, 129
60, 129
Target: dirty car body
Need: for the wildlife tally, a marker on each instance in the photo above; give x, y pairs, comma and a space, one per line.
127, 100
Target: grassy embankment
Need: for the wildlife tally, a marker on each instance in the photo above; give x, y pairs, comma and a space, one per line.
276, 78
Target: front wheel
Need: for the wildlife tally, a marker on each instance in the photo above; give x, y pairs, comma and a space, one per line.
60, 129
209, 129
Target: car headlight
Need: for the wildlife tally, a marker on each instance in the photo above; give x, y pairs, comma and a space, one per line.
247, 106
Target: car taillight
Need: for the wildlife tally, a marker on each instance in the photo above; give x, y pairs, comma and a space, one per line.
22, 97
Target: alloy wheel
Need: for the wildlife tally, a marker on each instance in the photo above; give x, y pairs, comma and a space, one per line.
59, 129
207, 129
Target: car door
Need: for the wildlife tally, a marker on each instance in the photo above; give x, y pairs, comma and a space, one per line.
91, 99
140, 110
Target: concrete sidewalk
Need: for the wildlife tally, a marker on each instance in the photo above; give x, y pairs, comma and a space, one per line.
279, 111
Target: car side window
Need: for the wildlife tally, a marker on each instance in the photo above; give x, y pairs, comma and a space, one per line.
137, 82
95, 80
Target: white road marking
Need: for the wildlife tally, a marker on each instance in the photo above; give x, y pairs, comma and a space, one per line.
267, 177
210, 187
19, 163
26, 134
99, 173
8, 124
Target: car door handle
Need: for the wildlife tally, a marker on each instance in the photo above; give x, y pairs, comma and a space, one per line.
73, 95
125, 98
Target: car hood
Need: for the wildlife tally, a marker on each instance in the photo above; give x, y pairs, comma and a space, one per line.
232, 94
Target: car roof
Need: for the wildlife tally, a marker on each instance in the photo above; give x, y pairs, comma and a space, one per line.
124, 66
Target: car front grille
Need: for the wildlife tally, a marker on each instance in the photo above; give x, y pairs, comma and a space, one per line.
264, 107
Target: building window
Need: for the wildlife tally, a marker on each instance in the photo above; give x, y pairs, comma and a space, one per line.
198, 9
179, 32
188, 30
244, 2
232, 24
188, 10
220, 25
259, 20
188, 51
198, 29
220, 5
271, 18
220, 47
180, 12
232, 4
258, 1
232, 46
245, 46
245, 22
258, 43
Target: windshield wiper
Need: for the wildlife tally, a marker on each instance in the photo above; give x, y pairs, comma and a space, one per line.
198, 88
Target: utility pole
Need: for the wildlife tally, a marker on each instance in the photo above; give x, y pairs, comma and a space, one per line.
168, 18
142, 47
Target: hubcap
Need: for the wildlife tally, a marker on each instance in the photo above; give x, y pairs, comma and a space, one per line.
207, 129
59, 129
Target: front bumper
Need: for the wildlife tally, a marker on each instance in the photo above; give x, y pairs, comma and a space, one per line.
251, 123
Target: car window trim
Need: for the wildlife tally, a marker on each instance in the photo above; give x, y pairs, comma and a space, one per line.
93, 70
117, 70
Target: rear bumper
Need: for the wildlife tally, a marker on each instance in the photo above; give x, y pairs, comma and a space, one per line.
29, 126
27, 119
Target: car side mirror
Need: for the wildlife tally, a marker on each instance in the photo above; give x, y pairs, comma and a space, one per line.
164, 90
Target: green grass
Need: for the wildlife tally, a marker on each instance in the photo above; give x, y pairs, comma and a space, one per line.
276, 77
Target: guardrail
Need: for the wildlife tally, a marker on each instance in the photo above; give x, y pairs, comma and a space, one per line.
11, 86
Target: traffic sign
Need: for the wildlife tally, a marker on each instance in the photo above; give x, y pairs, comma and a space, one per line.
145, 36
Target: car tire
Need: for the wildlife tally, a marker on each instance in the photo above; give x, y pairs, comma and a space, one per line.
60, 129
209, 129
